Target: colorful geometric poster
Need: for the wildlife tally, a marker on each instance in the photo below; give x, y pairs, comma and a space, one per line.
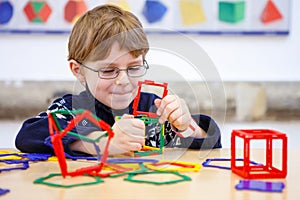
157, 16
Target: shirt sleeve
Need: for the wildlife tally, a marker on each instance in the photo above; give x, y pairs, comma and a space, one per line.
213, 139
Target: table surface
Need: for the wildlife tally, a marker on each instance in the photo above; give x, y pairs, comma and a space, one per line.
208, 183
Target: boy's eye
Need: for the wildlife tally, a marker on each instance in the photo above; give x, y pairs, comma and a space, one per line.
108, 70
134, 68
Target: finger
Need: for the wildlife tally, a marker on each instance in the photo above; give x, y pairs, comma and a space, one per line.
135, 128
181, 110
176, 115
164, 102
127, 116
182, 122
138, 123
132, 146
168, 111
137, 146
129, 125
132, 131
157, 102
136, 138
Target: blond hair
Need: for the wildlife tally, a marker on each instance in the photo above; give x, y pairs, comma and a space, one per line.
95, 31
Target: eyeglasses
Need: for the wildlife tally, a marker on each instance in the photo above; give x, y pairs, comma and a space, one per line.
113, 72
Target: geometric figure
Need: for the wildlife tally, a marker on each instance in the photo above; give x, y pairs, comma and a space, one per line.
6, 12
57, 133
37, 11
267, 169
181, 178
207, 162
35, 156
137, 98
29, 156
3, 191
24, 166
9, 156
270, 13
42, 181
130, 160
179, 166
154, 11
151, 124
231, 12
73, 10
111, 169
140, 170
262, 186
191, 12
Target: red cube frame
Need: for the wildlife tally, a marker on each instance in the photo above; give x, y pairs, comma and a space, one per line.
266, 170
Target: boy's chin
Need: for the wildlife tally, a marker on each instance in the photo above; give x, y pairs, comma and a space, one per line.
119, 106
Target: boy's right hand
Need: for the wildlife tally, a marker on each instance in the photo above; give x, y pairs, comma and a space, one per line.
129, 135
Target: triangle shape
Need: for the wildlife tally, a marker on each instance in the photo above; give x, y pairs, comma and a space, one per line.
270, 13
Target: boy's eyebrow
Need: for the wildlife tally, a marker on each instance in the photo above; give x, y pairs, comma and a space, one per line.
104, 64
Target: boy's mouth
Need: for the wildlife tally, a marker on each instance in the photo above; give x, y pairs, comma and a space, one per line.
121, 93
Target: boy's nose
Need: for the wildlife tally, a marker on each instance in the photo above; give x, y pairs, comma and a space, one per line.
122, 78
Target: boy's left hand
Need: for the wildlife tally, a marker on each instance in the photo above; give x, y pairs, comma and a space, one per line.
173, 109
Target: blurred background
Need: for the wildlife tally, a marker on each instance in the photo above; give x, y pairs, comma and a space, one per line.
257, 75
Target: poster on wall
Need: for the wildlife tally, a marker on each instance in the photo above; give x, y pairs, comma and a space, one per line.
184, 16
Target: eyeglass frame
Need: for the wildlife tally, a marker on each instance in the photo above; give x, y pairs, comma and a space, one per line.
145, 65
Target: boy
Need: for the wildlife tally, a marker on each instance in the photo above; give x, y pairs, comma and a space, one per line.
107, 50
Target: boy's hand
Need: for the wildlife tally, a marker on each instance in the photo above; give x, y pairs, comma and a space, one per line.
173, 109
129, 135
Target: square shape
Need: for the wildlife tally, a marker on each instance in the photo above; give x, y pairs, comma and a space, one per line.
267, 170
163, 86
231, 11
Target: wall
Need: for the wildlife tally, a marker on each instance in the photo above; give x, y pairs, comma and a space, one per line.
267, 61
237, 58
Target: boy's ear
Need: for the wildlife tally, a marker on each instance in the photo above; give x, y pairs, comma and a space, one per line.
77, 70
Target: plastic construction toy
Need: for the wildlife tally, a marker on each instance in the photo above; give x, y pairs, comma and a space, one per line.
148, 150
177, 166
149, 118
207, 162
131, 160
111, 169
24, 165
136, 101
3, 191
28, 156
140, 170
267, 169
261, 186
57, 133
42, 180
133, 177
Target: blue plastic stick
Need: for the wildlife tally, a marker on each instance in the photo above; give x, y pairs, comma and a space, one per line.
12, 162
262, 186
206, 163
3, 191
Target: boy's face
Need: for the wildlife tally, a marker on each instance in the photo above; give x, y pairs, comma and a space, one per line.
117, 93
